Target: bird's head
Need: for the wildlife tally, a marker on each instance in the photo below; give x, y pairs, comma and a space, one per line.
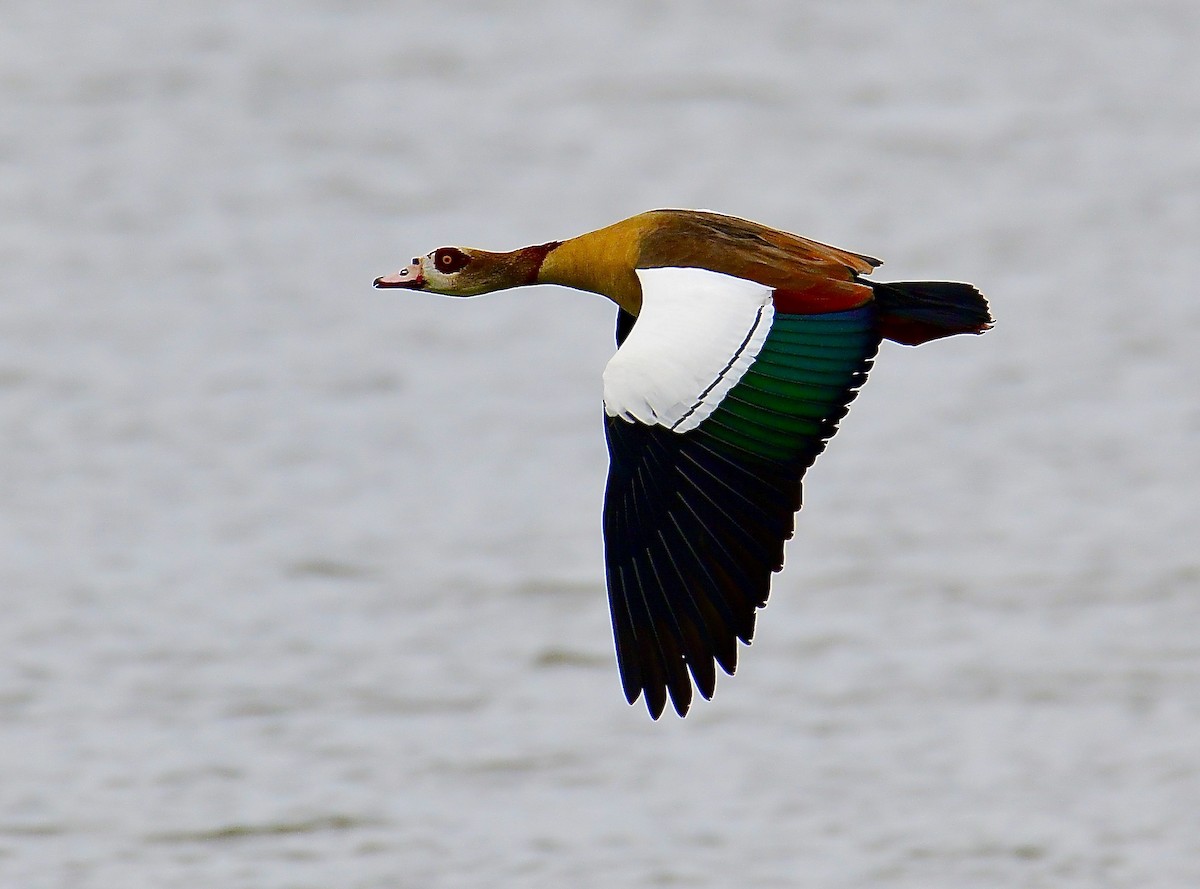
453, 271
465, 271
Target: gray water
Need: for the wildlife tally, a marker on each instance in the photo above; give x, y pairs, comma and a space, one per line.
302, 582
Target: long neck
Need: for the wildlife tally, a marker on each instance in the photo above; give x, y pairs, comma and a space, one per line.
513, 269
602, 262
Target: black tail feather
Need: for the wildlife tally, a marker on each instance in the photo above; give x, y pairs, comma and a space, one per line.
915, 312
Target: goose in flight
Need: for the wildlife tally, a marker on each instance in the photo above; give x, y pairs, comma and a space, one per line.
739, 349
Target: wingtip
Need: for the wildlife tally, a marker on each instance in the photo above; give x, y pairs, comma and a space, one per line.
655, 703
681, 699
656, 699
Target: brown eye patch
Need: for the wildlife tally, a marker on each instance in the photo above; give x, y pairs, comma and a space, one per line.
449, 259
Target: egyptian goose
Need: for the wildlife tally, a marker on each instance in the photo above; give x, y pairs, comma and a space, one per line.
739, 349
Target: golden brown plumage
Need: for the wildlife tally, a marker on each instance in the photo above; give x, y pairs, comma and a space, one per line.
603, 261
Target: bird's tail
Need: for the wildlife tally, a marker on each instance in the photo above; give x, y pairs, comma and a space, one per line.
915, 312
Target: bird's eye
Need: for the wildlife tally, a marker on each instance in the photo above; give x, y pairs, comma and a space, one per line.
449, 259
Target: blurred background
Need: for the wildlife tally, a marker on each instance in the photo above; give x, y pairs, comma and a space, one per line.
302, 582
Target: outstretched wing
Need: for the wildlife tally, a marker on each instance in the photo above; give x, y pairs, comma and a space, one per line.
715, 405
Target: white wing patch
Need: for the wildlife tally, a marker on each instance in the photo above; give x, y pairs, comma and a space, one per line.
697, 334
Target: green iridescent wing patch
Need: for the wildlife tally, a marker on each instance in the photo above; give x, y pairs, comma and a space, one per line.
789, 402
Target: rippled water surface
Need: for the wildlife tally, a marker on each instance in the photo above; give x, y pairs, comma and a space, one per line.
302, 582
